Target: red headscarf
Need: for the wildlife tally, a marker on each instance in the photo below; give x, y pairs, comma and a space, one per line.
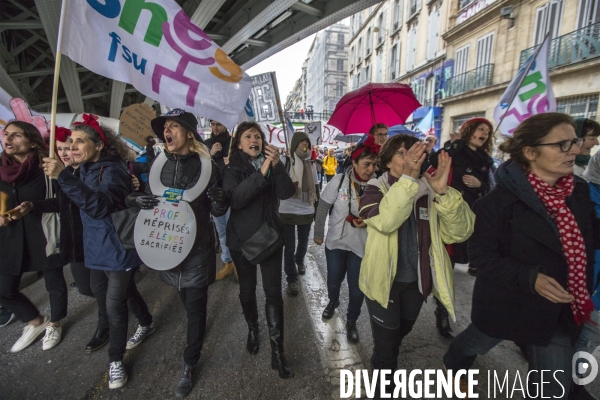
91, 120
368, 143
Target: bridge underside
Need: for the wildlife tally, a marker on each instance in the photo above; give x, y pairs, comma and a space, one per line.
248, 30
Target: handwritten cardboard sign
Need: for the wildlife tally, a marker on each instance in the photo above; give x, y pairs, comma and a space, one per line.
135, 123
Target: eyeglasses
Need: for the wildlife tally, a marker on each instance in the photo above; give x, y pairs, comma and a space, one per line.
565, 145
401, 153
381, 134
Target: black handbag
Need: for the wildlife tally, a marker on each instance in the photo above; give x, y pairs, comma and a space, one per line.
262, 244
124, 222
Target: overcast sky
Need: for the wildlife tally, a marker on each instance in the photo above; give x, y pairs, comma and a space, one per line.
287, 65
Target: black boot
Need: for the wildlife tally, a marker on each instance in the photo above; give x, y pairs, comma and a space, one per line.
275, 322
184, 386
100, 339
251, 315
441, 321
351, 331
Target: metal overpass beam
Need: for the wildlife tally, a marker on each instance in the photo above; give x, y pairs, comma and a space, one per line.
49, 11
205, 12
116, 98
9, 85
298, 27
259, 15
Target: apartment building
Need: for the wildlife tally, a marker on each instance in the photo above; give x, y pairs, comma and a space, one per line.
400, 41
460, 55
489, 40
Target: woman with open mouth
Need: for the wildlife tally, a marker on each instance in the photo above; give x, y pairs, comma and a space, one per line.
23, 241
255, 181
471, 163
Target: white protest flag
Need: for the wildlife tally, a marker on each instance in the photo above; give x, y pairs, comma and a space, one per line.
529, 93
154, 46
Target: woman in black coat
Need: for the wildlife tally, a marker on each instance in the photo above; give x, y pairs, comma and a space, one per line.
255, 181
533, 245
186, 160
22, 238
471, 164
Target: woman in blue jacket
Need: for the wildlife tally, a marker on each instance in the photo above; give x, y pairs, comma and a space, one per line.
100, 190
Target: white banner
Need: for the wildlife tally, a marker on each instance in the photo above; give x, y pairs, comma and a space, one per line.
263, 98
529, 93
275, 136
154, 46
314, 132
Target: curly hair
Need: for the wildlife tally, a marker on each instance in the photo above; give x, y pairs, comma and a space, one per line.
114, 145
33, 135
468, 129
530, 133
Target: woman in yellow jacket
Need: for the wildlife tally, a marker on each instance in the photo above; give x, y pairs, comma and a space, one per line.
422, 214
330, 165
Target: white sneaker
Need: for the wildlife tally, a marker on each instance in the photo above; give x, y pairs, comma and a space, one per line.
117, 377
30, 334
140, 334
52, 337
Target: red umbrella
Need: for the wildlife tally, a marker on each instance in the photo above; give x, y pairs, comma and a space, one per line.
387, 103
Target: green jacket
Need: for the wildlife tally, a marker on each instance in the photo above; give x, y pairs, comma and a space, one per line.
450, 221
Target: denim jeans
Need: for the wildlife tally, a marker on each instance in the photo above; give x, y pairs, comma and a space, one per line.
194, 300
557, 355
221, 225
118, 291
589, 339
341, 264
291, 257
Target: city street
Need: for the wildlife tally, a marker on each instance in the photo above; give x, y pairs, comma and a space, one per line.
315, 349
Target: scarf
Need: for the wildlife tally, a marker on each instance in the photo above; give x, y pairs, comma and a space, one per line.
573, 245
592, 172
14, 172
258, 162
302, 176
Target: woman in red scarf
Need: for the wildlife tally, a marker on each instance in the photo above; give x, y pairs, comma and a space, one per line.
346, 236
22, 238
533, 246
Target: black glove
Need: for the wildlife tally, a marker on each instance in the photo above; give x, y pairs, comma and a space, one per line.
146, 202
217, 195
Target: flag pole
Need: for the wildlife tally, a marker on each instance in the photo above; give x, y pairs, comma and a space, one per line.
56, 79
533, 57
280, 111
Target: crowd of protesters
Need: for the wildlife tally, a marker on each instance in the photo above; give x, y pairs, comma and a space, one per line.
399, 216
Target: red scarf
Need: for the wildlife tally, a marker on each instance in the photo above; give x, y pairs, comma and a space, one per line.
573, 245
14, 172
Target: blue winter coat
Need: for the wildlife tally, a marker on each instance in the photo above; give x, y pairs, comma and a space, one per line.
100, 191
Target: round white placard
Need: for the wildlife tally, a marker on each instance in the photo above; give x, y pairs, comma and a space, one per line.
164, 236
189, 195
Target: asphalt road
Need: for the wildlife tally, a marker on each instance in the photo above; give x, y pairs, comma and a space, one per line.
315, 349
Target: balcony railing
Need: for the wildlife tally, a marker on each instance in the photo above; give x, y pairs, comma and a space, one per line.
571, 48
475, 79
308, 116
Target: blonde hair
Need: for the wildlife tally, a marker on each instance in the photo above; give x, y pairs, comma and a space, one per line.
195, 147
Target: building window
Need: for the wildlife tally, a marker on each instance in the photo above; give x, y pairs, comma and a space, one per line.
547, 19
433, 34
359, 52
340, 64
394, 62
340, 89
485, 50
369, 41
352, 58
381, 28
589, 13
412, 49
458, 121
429, 91
418, 87
340, 38
579, 106
461, 60
413, 7
397, 15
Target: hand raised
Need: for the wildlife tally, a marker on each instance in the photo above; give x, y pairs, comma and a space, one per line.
439, 182
413, 159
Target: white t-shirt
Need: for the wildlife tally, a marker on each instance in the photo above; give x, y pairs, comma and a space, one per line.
341, 235
295, 206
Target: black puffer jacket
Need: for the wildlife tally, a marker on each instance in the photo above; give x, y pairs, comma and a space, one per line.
225, 140
199, 267
253, 198
71, 228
